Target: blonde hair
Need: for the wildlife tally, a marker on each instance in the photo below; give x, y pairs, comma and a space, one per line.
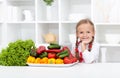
85, 21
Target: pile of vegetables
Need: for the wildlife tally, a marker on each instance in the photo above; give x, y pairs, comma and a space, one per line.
52, 54
16, 53
20, 52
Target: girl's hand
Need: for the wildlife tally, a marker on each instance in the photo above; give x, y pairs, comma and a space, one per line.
83, 46
84, 43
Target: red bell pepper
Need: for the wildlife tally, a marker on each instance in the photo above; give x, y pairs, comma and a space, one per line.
41, 49
74, 59
54, 50
51, 55
68, 60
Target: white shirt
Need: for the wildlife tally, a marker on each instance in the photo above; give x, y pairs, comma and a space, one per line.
92, 56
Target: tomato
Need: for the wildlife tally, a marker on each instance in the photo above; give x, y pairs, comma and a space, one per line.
67, 60
74, 59
51, 55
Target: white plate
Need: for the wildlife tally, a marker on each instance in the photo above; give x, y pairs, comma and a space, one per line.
52, 65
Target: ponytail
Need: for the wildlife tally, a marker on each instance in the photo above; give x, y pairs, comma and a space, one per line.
76, 49
90, 44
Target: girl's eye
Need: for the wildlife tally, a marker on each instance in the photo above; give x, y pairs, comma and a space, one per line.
81, 32
88, 31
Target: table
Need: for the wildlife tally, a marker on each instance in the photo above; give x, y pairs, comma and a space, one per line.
80, 70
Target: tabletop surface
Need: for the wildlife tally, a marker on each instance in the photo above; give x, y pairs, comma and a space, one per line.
80, 70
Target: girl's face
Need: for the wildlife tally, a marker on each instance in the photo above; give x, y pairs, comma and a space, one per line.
85, 32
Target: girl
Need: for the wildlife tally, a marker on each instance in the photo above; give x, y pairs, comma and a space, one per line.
86, 50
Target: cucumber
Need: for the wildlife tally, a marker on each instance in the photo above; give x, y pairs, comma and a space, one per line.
44, 54
64, 55
63, 52
54, 47
54, 44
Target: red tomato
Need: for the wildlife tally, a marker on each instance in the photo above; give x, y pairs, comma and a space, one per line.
51, 55
67, 60
74, 59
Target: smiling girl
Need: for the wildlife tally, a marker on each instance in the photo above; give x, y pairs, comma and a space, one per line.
86, 50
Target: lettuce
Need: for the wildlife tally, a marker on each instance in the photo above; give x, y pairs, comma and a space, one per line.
16, 53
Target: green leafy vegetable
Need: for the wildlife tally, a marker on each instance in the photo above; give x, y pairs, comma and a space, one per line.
16, 53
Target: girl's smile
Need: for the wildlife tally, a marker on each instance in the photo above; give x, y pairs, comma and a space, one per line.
85, 32
85, 39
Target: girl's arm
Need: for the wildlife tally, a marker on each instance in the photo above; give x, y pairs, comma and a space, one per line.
90, 57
